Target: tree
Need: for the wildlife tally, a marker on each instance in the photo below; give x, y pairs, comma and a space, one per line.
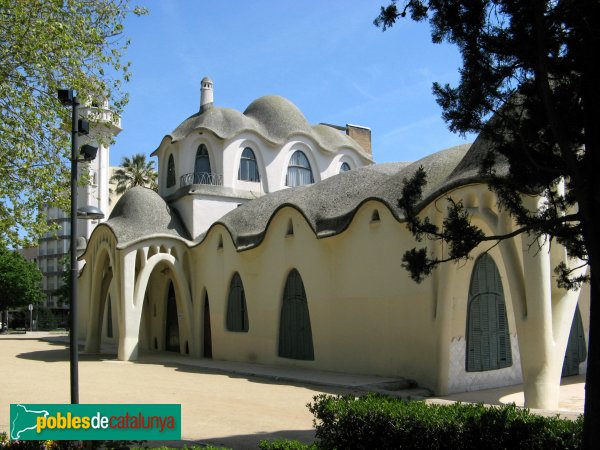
45, 46
529, 87
135, 172
20, 280
63, 292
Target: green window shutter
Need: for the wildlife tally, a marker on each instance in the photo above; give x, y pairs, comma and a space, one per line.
504, 348
295, 333
474, 337
488, 336
237, 311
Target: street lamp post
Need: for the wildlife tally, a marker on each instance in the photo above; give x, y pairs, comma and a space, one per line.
77, 127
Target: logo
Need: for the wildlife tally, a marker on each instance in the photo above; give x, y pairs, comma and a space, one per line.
95, 422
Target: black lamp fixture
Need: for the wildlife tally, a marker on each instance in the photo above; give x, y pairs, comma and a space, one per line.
88, 152
66, 96
90, 212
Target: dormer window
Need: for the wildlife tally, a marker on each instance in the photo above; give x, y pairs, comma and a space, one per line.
299, 172
248, 167
202, 172
171, 172
345, 167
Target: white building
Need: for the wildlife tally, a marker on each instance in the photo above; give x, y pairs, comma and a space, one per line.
54, 246
260, 246
220, 158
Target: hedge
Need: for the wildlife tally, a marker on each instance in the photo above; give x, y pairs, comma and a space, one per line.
375, 421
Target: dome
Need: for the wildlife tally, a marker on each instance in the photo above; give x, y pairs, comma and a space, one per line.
141, 213
279, 116
274, 118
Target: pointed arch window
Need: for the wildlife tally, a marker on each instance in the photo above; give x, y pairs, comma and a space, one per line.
576, 347
171, 172
488, 337
202, 172
248, 166
345, 167
172, 322
237, 312
299, 172
295, 333
109, 320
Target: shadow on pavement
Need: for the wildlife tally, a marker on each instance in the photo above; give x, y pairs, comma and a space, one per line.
62, 355
255, 378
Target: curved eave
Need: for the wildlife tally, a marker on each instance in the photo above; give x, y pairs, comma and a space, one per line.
251, 125
248, 235
121, 245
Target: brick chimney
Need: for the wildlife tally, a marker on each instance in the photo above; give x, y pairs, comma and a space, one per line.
362, 135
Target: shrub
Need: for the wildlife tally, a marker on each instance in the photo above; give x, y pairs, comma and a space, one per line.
284, 444
374, 421
46, 319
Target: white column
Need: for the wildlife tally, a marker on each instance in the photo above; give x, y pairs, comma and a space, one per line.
540, 360
129, 313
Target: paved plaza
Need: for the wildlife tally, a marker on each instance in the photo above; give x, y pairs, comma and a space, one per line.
223, 403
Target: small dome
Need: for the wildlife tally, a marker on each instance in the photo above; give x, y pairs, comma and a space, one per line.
278, 115
206, 80
141, 212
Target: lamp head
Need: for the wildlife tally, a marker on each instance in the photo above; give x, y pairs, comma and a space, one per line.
90, 212
66, 96
88, 152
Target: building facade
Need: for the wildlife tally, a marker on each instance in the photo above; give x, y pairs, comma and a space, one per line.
261, 246
53, 247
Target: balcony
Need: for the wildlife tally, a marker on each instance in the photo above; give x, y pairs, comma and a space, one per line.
209, 178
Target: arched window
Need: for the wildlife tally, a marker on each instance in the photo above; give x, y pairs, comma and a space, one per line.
172, 322
488, 338
207, 337
237, 313
576, 348
109, 320
295, 334
248, 167
171, 172
345, 167
202, 173
299, 172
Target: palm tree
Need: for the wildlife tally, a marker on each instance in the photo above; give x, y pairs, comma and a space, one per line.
135, 172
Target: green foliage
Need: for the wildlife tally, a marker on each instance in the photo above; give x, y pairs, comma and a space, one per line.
285, 444
386, 423
185, 447
46, 319
45, 46
20, 280
63, 292
528, 89
135, 172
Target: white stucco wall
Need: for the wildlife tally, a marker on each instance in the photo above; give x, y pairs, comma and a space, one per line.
367, 315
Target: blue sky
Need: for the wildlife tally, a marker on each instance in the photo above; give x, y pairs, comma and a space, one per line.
325, 56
